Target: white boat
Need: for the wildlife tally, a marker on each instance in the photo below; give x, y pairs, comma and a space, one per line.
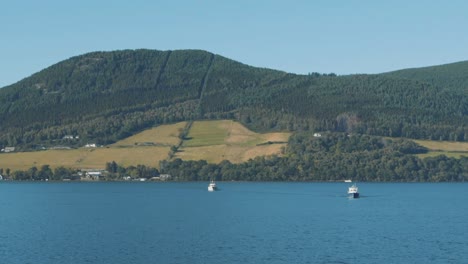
353, 191
348, 180
212, 186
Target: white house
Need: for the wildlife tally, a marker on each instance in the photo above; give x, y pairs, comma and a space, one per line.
71, 137
317, 135
94, 174
164, 177
93, 145
8, 149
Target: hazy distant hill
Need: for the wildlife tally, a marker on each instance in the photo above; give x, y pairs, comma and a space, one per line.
105, 96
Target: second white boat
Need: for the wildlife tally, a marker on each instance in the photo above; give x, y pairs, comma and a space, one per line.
212, 186
353, 191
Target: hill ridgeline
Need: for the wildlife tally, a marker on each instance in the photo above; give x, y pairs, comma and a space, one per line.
102, 97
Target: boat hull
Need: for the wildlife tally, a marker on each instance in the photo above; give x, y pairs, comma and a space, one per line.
353, 191
212, 188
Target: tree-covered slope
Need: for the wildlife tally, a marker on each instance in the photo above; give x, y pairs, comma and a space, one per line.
453, 76
105, 96
101, 82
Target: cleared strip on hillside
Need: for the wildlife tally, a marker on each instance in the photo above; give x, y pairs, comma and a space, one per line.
443, 145
235, 154
167, 135
205, 133
215, 141
447, 148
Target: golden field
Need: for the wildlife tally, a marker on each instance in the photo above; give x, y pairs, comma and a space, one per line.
213, 141
84, 158
447, 148
444, 145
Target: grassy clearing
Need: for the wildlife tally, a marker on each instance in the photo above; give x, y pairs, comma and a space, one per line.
444, 145
233, 153
447, 148
215, 141
162, 135
206, 133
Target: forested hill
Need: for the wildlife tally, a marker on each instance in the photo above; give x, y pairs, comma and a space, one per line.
453, 76
105, 96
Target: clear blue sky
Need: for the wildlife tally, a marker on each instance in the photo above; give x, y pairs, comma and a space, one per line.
344, 37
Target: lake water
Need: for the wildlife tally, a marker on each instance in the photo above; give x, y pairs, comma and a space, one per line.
242, 223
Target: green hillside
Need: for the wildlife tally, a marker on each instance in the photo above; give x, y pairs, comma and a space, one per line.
453, 76
103, 97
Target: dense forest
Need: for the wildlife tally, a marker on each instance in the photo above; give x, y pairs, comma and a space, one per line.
453, 76
331, 157
102, 97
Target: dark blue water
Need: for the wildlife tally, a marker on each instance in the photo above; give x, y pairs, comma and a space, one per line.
242, 223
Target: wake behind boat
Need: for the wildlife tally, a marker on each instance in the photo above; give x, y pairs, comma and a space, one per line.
212, 186
353, 191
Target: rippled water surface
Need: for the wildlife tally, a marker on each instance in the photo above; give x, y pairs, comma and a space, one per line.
241, 223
